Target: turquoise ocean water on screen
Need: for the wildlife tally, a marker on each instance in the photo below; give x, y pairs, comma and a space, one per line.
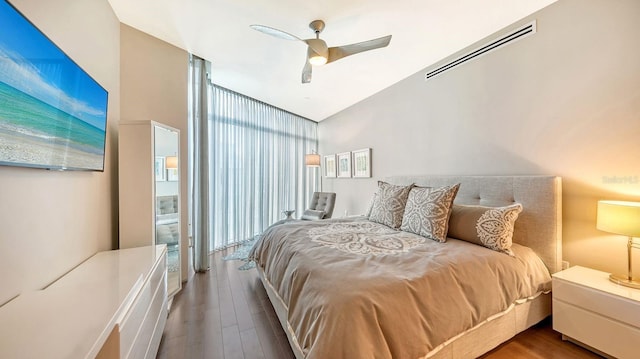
52, 113
24, 115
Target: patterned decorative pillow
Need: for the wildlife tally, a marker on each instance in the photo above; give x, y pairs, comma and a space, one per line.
427, 211
491, 227
371, 203
388, 207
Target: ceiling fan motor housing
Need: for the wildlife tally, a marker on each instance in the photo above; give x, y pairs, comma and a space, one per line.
317, 26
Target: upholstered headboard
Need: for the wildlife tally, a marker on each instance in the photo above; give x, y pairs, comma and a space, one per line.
539, 226
166, 204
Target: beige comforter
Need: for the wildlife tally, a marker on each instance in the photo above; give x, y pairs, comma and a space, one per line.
357, 289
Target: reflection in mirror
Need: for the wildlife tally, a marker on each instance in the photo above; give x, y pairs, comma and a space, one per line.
168, 202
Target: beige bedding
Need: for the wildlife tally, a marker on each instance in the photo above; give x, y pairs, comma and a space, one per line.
357, 289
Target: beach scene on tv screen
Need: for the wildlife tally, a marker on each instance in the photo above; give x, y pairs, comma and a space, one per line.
52, 114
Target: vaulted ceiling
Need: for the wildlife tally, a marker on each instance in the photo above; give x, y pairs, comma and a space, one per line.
269, 69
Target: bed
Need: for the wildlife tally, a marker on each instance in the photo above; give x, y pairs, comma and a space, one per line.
353, 288
167, 221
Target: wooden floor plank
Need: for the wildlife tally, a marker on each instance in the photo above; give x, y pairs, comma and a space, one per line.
540, 342
213, 345
271, 348
241, 307
232, 343
251, 346
227, 308
173, 347
226, 314
252, 293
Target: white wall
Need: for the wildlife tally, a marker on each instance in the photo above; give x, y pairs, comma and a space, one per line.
154, 80
51, 221
565, 101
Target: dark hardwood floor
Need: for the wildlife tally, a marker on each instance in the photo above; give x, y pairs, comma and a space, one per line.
226, 314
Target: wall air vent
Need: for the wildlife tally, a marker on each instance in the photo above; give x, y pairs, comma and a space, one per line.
518, 34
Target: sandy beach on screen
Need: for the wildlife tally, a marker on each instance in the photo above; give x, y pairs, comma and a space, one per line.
29, 150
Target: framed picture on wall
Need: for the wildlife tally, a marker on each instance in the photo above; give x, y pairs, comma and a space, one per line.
344, 164
161, 173
330, 166
172, 174
361, 163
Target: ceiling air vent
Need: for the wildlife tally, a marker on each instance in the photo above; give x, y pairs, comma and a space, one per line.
520, 33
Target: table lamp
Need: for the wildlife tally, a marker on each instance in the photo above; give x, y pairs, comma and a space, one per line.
622, 218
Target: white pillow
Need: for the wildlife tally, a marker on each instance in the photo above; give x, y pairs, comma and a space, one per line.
167, 218
312, 215
371, 203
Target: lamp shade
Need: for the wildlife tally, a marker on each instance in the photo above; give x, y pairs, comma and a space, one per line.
619, 217
312, 160
171, 162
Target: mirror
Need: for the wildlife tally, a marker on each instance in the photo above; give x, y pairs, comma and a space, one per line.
167, 192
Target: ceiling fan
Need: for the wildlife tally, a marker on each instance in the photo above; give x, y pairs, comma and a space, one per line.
317, 51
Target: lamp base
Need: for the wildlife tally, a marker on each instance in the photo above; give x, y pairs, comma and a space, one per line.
625, 281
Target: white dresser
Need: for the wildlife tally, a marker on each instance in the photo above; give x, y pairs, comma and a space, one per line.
594, 312
114, 305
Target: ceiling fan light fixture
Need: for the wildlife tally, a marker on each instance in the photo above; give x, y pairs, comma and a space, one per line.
317, 60
317, 52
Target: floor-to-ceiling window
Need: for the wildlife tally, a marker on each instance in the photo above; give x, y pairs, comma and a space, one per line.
255, 165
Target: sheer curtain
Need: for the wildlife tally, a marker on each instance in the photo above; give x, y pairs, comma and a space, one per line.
246, 164
257, 165
199, 173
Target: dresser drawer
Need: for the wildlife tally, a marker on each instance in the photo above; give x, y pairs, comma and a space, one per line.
602, 333
133, 320
135, 317
157, 308
154, 345
606, 304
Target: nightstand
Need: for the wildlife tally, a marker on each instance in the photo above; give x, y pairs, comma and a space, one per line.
593, 312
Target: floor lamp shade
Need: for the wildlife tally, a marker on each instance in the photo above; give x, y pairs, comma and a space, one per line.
312, 160
622, 218
171, 162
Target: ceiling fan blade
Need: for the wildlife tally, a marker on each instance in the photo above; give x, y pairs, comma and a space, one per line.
318, 45
306, 72
275, 32
338, 52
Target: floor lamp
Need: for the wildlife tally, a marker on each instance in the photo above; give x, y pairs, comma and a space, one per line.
313, 160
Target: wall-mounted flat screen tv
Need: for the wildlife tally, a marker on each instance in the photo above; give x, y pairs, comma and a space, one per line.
52, 113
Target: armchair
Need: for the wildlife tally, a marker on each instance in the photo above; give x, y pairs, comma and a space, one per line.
321, 206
